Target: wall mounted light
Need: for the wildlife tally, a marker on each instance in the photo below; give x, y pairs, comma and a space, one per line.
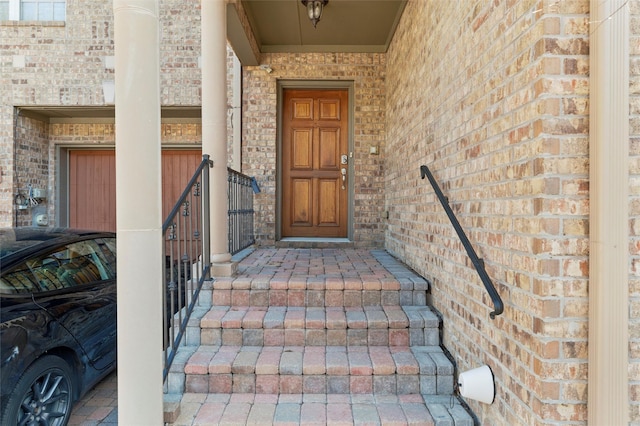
314, 9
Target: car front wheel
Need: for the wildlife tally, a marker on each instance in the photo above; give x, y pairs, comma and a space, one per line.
43, 395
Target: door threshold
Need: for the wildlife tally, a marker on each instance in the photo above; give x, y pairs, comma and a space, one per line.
311, 242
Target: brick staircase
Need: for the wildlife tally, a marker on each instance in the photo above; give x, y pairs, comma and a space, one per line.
324, 336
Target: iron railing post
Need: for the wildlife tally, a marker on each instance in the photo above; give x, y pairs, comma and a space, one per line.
240, 210
206, 205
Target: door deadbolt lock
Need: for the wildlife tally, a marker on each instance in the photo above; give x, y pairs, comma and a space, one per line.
344, 159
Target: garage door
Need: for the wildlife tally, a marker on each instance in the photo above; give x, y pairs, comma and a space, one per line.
92, 185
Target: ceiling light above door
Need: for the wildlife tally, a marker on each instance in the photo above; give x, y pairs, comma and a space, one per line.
314, 9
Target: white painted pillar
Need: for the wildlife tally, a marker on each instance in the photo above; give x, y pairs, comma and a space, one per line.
214, 127
608, 391
138, 212
236, 118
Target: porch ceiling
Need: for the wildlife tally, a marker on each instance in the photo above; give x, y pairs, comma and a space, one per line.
283, 26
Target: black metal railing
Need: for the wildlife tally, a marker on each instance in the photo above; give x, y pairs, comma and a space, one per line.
240, 194
477, 262
187, 261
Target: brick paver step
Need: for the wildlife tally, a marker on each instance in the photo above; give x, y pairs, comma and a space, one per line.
293, 291
323, 282
314, 326
320, 277
296, 409
319, 369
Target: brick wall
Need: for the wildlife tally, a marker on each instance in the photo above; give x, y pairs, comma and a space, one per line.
493, 97
7, 168
367, 72
180, 52
32, 160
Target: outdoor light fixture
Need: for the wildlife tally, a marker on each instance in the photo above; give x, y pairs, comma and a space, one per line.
314, 9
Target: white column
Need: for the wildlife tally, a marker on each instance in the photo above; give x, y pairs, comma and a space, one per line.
236, 108
138, 212
214, 127
608, 400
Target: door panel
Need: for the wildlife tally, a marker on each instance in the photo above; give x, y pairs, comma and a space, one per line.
178, 167
302, 152
314, 137
328, 209
302, 108
329, 157
92, 190
302, 204
92, 185
329, 109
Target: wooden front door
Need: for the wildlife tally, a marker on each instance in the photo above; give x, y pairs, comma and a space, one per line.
92, 185
314, 163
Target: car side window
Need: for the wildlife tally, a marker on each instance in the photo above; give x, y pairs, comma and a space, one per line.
19, 280
82, 263
107, 250
75, 264
45, 271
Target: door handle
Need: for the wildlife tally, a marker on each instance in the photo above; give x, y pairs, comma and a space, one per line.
344, 176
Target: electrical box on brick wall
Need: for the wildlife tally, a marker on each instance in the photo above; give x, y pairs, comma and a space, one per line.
39, 216
38, 193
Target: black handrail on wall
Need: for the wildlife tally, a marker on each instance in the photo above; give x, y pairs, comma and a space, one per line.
477, 262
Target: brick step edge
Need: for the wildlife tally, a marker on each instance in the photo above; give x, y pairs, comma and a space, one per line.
277, 326
334, 370
448, 410
327, 409
316, 298
319, 337
410, 282
281, 317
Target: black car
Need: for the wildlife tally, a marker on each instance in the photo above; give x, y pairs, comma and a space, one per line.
57, 320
